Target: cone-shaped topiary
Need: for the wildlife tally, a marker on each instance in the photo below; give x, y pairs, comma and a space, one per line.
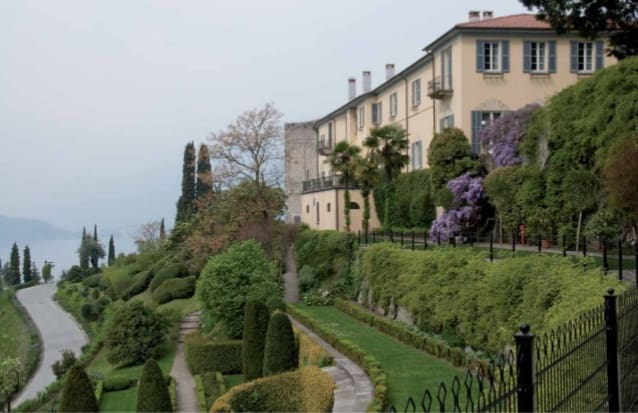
256, 317
77, 394
152, 392
279, 354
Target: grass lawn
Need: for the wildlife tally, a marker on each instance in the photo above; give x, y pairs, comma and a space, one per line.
101, 364
183, 306
119, 401
14, 334
409, 371
232, 380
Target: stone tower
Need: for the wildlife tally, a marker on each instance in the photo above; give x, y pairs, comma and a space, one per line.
301, 164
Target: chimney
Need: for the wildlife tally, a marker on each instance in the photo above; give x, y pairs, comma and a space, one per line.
474, 15
352, 88
367, 81
389, 70
487, 14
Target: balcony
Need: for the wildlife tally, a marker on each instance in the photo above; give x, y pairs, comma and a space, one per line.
324, 148
325, 183
439, 88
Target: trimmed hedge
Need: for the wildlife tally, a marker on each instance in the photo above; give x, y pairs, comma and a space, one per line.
214, 387
173, 270
280, 352
152, 391
311, 353
306, 390
118, 383
78, 394
172, 392
99, 390
368, 363
201, 394
140, 283
409, 335
175, 288
205, 355
256, 318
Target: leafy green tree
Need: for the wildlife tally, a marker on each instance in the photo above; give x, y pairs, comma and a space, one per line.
367, 175
47, 271
620, 177
185, 202
256, 317
83, 251
78, 394
388, 145
137, 334
89, 249
280, 353
12, 377
27, 272
343, 160
450, 156
14, 266
204, 185
232, 278
581, 188
111, 256
502, 185
60, 367
162, 231
152, 392
591, 17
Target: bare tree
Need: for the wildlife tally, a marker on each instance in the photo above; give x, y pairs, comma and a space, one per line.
250, 148
148, 235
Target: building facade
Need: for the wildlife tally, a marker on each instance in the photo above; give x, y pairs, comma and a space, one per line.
300, 159
468, 77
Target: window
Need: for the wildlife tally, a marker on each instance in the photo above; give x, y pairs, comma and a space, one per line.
330, 135
587, 57
354, 205
492, 56
328, 207
393, 105
539, 57
416, 160
446, 122
307, 209
416, 93
446, 68
479, 120
361, 117
376, 113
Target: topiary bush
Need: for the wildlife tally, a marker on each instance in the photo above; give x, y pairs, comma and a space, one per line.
206, 355
256, 317
117, 383
152, 391
140, 283
175, 288
280, 350
173, 270
78, 394
60, 367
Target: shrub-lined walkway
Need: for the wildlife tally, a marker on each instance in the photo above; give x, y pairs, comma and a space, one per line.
186, 393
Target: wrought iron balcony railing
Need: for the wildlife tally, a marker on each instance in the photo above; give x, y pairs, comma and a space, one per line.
439, 87
327, 182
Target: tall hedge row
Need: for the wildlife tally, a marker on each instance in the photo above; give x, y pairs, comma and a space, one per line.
327, 252
78, 394
152, 392
281, 351
256, 318
172, 270
204, 355
175, 288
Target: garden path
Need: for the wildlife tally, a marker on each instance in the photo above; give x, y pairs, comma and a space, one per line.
186, 393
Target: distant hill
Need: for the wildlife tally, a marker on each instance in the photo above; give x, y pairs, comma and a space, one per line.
29, 230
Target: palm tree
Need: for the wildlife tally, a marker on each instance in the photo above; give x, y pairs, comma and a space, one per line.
388, 145
367, 175
342, 159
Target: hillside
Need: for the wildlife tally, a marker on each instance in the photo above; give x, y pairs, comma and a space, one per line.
28, 230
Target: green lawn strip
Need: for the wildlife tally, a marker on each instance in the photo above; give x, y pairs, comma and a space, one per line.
119, 401
18, 336
182, 305
232, 380
100, 364
409, 371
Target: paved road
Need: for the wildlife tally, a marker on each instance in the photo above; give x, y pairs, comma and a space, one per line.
58, 331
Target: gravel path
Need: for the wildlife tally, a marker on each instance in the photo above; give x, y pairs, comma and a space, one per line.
186, 392
58, 331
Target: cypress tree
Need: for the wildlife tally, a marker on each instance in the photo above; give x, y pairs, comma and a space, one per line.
256, 317
185, 202
95, 257
204, 184
14, 266
82, 251
162, 233
27, 274
152, 392
77, 394
280, 351
111, 258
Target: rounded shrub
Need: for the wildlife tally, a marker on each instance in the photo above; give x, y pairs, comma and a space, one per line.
173, 270
117, 383
152, 392
256, 317
175, 288
140, 283
77, 393
280, 350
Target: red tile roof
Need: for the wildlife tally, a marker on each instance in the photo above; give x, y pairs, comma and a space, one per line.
514, 21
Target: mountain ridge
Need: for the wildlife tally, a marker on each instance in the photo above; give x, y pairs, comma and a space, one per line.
15, 229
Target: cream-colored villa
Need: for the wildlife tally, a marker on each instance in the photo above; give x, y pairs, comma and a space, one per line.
468, 77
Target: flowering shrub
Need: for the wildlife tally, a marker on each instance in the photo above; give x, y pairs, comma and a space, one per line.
468, 194
502, 137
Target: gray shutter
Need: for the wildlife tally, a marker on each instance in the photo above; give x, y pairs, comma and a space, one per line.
480, 56
505, 55
573, 65
441, 122
476, 127
443, 74
552, 56
449, 66
452, 120
527, 57
600, 50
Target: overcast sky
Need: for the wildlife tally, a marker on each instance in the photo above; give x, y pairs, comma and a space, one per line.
97, 99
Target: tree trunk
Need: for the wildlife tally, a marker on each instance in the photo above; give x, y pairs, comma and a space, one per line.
346, 207
580, 219
366, 213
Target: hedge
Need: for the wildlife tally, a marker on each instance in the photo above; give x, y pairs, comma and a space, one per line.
175, 288
117, 383
410, 335
305, 390
311, 353
99, 389
326, 252
173, 270
78, 394
280, 351
367, 362
201, 394
140, 283
256, 318
152, 390
172, 392
214, 387
205, 355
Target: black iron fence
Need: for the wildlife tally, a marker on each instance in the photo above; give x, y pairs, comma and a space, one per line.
587, 364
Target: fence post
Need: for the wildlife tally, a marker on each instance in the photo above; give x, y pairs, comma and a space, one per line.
584, 246
491, 246
365, 236
438, 239
412, 240
359, 236
401, 237
425, 239
564, 245
605, 262
620, 259
513, 241
471, 238
538, 239
611, 333
392, 236
525, 370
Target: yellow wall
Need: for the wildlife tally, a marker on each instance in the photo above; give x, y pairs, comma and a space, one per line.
310, 202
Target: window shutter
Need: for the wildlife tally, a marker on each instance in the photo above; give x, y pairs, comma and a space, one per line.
451, 120
573, 65
449, 66
443, 74
374, 114
527, 57
480, 56
552, 56
505, 55
380, 112
600, 50
476, 127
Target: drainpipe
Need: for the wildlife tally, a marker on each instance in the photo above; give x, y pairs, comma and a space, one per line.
337, 206
432, 98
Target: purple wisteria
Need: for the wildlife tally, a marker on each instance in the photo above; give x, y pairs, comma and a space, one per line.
466, 211
502, 137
